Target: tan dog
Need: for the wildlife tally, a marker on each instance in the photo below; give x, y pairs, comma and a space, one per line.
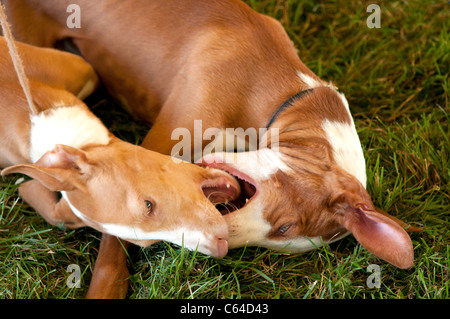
113, 186
173, 62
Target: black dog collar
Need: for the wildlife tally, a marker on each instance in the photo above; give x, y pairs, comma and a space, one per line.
288, 103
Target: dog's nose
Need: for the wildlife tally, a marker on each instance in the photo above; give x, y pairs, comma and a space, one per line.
222, 247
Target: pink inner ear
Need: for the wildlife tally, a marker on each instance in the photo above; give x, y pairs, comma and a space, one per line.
57, 158
381, 236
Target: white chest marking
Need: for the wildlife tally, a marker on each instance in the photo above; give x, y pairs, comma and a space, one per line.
68, 125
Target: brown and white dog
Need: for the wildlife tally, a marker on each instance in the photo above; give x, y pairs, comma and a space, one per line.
173, 62
113, 186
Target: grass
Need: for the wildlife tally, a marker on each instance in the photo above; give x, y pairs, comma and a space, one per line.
396, 81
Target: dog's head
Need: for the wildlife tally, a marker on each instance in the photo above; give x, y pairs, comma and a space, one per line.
302, 193
294, 210
138, 195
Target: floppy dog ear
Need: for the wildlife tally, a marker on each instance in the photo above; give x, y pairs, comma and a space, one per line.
57, 170
405, 226
381, 235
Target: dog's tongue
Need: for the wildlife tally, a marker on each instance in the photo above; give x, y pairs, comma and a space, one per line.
221, 189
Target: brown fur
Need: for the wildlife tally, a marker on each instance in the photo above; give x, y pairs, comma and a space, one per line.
170, 63
108, 183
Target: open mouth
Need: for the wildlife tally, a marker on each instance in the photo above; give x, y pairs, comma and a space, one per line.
228, 200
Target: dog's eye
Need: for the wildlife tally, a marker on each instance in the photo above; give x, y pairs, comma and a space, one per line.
283, 229
149, 206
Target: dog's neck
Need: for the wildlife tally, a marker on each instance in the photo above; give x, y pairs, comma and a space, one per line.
69, 125
319, 119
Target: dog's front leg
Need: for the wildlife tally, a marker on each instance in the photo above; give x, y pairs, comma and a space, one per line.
110, 276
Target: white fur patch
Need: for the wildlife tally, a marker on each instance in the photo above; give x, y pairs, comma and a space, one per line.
344, 100
191, 239
255, 233
347, 149
77, 213
309, 81
180, 236
259, 165
247, 226
68, 125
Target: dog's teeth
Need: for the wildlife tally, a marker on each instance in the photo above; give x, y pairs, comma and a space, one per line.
228, 185
246, 200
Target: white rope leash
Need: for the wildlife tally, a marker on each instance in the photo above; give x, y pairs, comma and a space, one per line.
17, 61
